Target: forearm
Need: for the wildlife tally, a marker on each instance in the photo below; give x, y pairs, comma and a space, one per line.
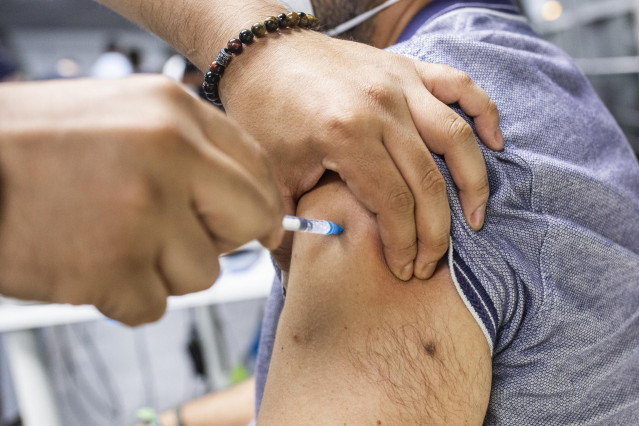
233, 406
196, 28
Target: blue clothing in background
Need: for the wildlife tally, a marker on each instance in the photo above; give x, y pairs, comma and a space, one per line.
553, 278
7, 67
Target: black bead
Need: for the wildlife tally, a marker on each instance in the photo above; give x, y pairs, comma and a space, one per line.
246, 37
283, 20
209, 77
272, 24
215, 100
210, 89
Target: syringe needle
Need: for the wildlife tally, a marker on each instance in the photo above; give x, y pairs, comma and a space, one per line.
313, 226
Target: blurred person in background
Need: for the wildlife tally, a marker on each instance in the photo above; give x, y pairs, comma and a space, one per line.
182, 70
112, 64
135, 58
66, 68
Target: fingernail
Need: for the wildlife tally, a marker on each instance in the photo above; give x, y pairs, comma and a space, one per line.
407, 272
425, 271
477, 218
499, 137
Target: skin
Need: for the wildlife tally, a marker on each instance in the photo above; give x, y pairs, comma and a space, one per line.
231, 407
355, 345
380, 31
93, 213
373, 117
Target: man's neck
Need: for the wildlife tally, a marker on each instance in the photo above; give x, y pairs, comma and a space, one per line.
390, 23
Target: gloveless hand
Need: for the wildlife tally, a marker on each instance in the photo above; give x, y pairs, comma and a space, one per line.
316, 103
120, 193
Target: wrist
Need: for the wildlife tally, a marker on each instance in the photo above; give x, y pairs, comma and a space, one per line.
283, 25
196, 28
218, 24
265, 60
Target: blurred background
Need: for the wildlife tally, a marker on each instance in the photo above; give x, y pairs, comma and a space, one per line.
101, 372
603, 37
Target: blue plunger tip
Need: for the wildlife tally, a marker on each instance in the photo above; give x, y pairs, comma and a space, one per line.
335, 229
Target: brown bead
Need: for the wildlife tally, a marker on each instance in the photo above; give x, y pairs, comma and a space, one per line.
272, 24
259, 29
294, 19
217, 69
234, 46
313, 22
303, 20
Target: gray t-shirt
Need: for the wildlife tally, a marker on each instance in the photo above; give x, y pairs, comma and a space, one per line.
553, 278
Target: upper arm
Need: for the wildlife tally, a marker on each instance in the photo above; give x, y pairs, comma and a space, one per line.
356, 345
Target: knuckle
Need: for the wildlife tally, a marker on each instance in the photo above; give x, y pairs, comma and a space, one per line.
447, 69
401, 200
464, 79
482, 188
409, 250
432, 182
401, 251
459, 130
150, 312
345, 125
378, 93
165, 87
210, 272
137, 197
439, 244
146, 310
491, 108
165, 131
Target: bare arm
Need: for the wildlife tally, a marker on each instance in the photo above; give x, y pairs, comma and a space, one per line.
197, 28
357, 346
234, 406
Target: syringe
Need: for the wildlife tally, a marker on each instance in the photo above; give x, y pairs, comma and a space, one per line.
300, 224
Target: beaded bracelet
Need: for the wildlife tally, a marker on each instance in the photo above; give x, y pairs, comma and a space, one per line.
246, 37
